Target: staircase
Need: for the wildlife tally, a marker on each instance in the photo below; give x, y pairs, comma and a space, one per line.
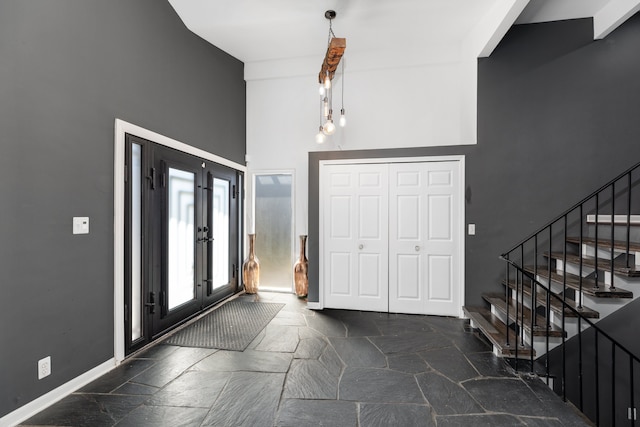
558, 284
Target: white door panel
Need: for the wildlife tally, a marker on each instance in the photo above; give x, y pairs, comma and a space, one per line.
392, 237
355, 237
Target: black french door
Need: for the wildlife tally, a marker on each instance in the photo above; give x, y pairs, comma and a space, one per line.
182, 237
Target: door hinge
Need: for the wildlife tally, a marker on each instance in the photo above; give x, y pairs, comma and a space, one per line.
126, 174
163, 180
233, 271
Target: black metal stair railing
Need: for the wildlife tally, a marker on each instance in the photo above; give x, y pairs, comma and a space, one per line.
524, 264
600, 335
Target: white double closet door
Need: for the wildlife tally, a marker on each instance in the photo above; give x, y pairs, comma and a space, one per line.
392, 237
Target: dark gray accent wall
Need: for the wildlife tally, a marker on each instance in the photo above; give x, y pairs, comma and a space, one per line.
68, 69
557, 118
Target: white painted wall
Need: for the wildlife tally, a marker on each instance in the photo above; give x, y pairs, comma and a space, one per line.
410, 106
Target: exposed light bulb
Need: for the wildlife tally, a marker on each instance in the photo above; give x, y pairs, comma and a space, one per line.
343, 119
327, 83
325, 106
320, 138
321, 90
329, 128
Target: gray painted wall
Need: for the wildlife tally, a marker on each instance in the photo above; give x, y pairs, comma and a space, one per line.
67, 70
557, 118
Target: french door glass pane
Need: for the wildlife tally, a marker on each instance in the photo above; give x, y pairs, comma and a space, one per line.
274, 231
181, 237
136, 244
220, 233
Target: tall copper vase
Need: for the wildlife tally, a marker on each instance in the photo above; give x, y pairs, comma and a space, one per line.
251, 268
300, 270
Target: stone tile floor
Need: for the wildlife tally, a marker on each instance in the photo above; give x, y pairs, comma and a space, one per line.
331, 367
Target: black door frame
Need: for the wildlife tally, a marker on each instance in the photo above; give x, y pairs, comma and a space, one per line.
156, 160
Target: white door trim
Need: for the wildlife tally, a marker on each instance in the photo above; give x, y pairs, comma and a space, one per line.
422, 159
122, 128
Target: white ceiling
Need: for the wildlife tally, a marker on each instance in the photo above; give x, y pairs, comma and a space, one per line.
259, 30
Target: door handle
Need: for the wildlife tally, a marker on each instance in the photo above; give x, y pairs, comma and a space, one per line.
152, 303
361, 246
417, 248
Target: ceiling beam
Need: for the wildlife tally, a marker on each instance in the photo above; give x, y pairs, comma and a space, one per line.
332, 58
486, 35
611, 16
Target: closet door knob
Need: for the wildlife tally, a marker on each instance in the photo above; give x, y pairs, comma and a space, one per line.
361, 246
417, 248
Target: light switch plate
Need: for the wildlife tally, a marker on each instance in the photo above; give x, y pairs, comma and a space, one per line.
472, 229
80, 225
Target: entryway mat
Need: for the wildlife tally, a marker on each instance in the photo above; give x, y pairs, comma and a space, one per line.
231, 326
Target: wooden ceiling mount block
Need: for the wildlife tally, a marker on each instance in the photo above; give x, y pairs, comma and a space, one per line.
332, 58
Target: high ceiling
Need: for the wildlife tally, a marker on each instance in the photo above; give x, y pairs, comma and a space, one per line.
259, 30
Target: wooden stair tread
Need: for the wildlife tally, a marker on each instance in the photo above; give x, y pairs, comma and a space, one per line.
497, 300
496, 332
606, 243
603, 264
588, 285
556, 305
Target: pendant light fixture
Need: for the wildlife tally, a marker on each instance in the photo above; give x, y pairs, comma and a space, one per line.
335, 50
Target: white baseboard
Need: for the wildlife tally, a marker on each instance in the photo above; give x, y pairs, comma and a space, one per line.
32, 408
314, 305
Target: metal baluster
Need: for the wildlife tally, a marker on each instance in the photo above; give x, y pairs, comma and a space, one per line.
580, 373
597, 389
564, 308
534, 304
581, 252
613, 211
632, 405
628, 219
506, 298
613, 384
596, 242
518, 306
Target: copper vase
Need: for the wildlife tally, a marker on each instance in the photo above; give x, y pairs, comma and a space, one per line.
251, 268
300, 270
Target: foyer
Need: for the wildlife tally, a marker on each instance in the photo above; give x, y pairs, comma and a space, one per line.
331, 367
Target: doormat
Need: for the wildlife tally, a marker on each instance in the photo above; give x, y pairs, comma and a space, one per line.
231, 326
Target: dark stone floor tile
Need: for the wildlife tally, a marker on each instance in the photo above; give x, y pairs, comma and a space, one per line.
361, 327
288, 318
358, 352
249, 399
80, 410
118, 376
327, 325
568, 414
445, 396
410, 363
157, 352
331, 361
192, 389
166, 370
307, 332
383, 415
469, 342
248, 360
164, 416
509, 395
451, 363
541, 422
310, 379
446, 324
253, 344
310, 348
410, 342
401, 325
489, 365
489, 420
303, 413
279, 338
136, 389
379, 385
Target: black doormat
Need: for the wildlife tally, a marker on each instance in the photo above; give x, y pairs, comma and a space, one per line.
231, 326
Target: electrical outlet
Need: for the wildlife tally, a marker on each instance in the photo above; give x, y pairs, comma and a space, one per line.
631, 414
44, 367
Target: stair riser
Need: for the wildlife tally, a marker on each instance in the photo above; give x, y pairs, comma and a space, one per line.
590, 251
619, 232
570, 323
539, 342
630, 283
